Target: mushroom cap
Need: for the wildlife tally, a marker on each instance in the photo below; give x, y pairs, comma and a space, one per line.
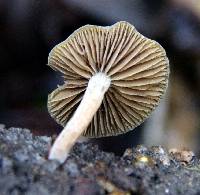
138, 68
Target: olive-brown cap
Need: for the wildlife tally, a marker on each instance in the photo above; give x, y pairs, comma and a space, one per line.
137, 66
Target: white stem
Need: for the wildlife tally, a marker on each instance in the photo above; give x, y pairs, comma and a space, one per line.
92, 99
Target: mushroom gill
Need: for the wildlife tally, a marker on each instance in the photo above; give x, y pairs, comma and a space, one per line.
137, 67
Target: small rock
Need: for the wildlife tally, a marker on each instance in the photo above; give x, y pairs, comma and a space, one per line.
158, 150
141, 149
165, 160
161, 155
143, 161
128, 152
184, 156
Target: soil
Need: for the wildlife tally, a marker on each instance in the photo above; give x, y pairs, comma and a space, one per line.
24, 169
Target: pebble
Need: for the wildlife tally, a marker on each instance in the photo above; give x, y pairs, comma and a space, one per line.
142, 161
161, 155
184, 156
141, 149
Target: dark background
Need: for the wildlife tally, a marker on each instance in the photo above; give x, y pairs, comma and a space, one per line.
30, 28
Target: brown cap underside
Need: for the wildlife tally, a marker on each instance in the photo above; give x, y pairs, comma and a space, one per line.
138, 68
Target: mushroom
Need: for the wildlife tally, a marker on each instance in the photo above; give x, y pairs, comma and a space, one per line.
114, 78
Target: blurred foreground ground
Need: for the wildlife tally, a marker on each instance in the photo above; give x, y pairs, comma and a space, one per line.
87, 171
